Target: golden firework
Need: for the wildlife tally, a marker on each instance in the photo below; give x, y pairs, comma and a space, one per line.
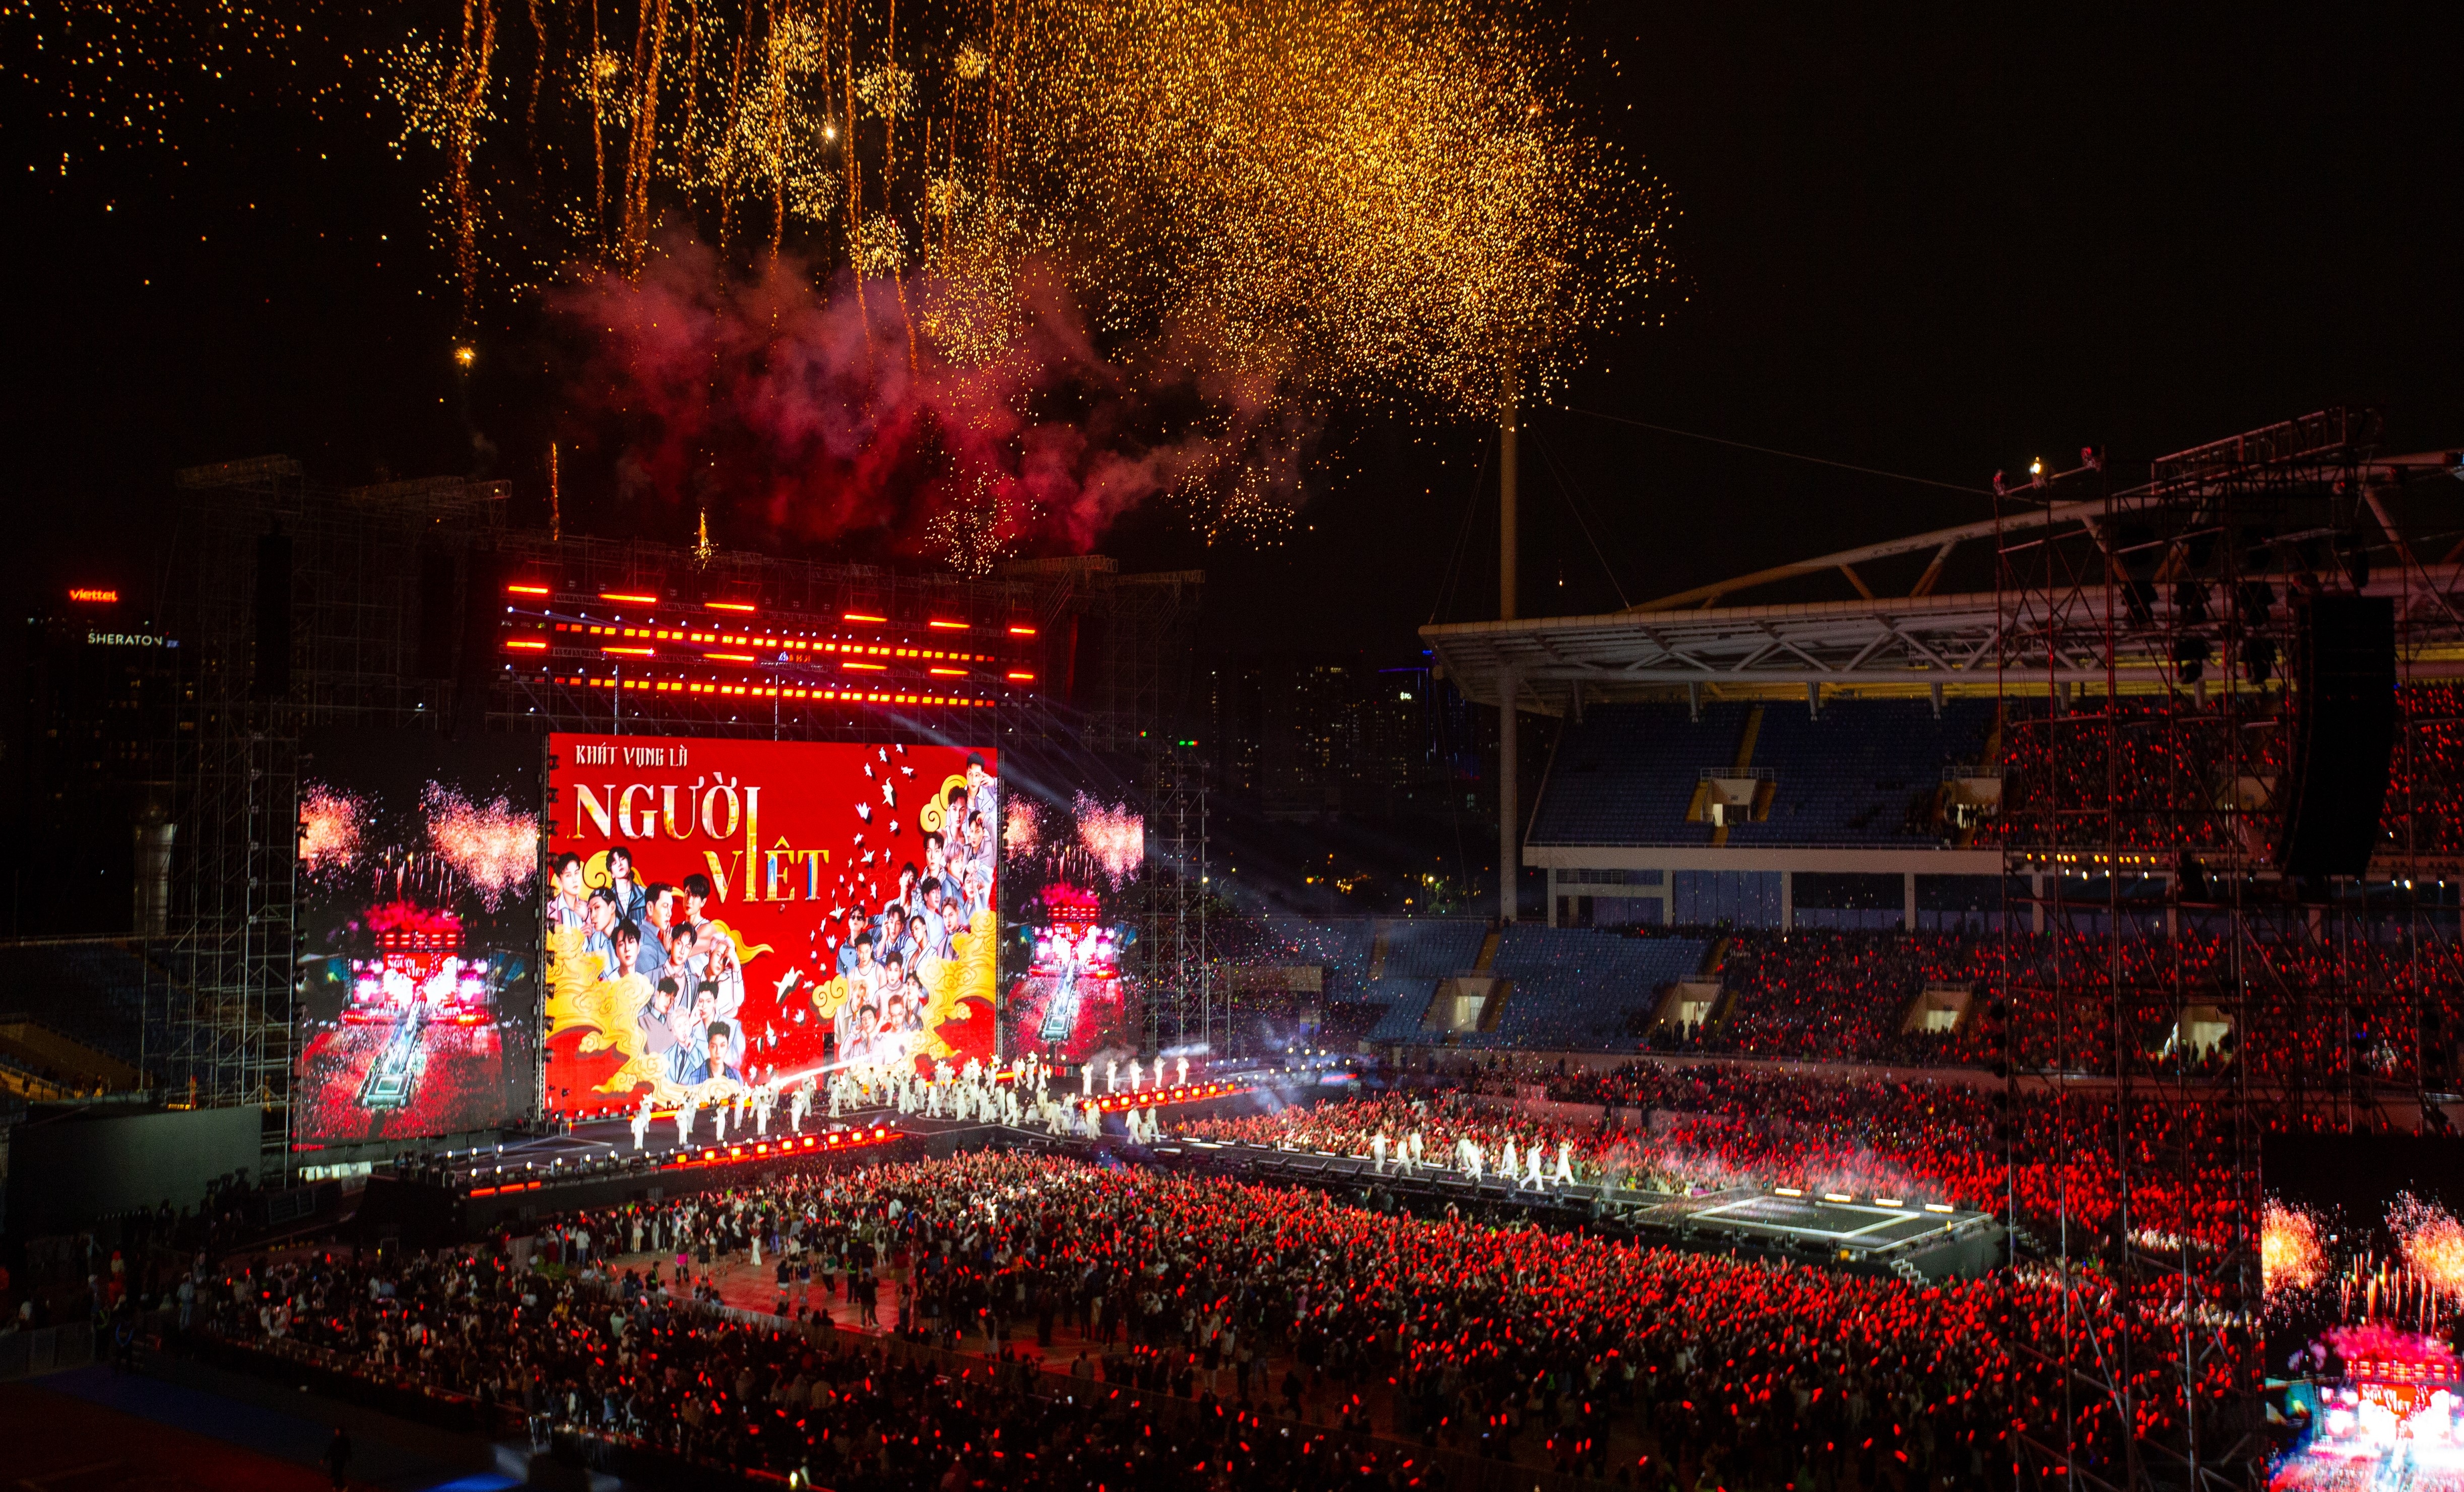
1284, 203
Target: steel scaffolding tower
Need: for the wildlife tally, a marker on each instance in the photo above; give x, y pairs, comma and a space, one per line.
1181, 983
2145, 736
351, 607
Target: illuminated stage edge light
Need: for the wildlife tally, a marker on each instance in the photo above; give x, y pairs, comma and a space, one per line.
835, 1142
1162, 1098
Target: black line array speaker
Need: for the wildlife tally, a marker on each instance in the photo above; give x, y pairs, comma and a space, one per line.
271, 678
2343, 733
440, 613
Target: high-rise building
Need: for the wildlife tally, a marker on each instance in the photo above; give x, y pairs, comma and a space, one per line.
92, 737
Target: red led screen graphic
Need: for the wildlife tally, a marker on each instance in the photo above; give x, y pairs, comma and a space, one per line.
722, 914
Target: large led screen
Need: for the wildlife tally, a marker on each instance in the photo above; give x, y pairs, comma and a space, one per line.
722, 914
418, 1006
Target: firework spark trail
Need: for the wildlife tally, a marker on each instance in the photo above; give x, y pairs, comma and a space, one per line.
1215, 218
329, 828
493, 846
2292, 1252
1114, 836
2430, 1241
1020, 832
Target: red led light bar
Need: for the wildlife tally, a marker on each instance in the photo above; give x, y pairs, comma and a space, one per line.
630, 652
858, 616
526, 590
950, 674
528, 644
645, 601
1022, 631
729, 606
870, 667
732, 657
948, 626
1023, 678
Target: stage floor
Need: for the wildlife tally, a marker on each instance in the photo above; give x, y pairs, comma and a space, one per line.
1842, 1224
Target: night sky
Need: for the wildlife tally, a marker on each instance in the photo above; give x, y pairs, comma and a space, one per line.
1924, 239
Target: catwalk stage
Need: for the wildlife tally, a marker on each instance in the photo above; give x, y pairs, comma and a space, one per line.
1914, 1240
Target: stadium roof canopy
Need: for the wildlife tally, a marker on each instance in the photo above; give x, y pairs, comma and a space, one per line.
2100, 584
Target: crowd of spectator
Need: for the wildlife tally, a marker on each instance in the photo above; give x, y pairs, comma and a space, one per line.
2388, 1010
1641, 1365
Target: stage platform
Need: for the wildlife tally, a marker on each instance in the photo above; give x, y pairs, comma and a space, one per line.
1912, 1239
594, 1163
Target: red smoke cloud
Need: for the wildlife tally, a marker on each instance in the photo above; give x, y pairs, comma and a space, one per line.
824, 415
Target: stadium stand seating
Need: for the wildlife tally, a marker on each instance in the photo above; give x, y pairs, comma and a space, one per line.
1863, 773
1342, 945
91, 991
1431, 946
1579, 989
1625, 775
1401, 1020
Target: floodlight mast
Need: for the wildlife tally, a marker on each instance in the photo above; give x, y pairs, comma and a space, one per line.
1509, 850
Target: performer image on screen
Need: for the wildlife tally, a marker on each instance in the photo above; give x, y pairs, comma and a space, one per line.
983, 791
630, 896
651, 950
719, 1062
893, 979
933, 921
684, 962
569, 907
661, 901
696, 897
848, 955
858, 1020
929, 936
600, 917
864, 978
657, 1023
627, 939
692, 1037
720, 970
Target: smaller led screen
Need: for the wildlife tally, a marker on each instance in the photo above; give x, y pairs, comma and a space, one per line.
2361, 1255
418, 1010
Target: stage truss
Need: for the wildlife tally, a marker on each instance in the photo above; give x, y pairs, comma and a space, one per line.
397, 623
1181, 1011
